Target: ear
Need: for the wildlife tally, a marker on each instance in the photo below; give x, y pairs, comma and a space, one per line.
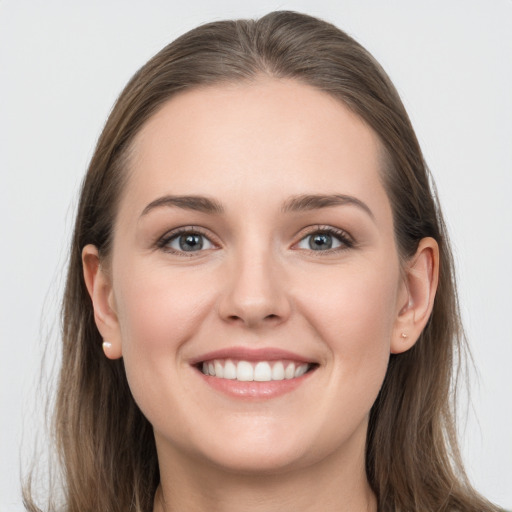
99, 286
416, 295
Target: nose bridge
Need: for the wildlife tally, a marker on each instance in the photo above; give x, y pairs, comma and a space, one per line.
255, 291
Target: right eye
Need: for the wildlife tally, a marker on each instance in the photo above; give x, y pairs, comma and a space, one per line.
186, 241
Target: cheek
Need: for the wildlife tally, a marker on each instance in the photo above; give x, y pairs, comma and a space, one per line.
350, 312
353, 311
359, 299
157, 307
158, 312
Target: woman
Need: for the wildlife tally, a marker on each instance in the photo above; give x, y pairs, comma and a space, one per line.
260, 311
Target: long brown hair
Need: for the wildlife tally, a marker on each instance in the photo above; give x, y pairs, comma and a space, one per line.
105, 445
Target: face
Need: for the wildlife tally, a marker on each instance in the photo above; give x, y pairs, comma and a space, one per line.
254, 276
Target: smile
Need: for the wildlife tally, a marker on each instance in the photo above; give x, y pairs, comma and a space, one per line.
258, 371
254, 374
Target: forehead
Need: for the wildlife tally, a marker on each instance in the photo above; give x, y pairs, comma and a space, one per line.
233, 139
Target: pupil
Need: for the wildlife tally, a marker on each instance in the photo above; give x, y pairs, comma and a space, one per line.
320, 241
190, 242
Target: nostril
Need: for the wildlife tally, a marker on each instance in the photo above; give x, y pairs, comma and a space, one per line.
250, 321
234, 317
252, 309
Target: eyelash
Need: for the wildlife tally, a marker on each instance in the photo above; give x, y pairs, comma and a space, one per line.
342, 236
347, 242
163, 243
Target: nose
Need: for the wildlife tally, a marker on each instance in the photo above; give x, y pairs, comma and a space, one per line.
254, 293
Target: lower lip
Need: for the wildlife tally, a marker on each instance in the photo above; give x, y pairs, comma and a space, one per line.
254, 389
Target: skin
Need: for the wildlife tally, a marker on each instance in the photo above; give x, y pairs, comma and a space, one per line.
258, 284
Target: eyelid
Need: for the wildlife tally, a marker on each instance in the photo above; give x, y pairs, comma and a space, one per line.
163, 241
343, 236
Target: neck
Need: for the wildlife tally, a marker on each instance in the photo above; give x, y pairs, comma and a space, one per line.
187, 485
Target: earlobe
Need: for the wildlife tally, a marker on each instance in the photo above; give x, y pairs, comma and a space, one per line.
99, 286
416, 298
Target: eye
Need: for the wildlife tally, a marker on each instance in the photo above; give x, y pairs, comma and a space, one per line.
325, 240
186, 241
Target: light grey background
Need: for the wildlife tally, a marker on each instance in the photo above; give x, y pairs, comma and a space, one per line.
62, 64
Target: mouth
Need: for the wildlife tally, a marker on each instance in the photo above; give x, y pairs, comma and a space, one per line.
255, 371
255, 374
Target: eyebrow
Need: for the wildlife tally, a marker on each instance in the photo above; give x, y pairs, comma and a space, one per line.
197, 203
300, 203
317, 201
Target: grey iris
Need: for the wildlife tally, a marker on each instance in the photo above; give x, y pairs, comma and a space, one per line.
320, 241
191, 242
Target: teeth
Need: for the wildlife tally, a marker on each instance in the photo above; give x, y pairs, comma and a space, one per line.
262, 371
301, 370
244, 371
289, 373
219, 370
278, 371
229, 370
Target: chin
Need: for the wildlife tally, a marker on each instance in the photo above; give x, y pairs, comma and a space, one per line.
258, 462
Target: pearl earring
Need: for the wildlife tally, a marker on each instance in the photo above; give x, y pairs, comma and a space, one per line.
403, 335
106, 346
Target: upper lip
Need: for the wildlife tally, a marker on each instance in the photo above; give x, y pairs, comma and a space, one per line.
251, 354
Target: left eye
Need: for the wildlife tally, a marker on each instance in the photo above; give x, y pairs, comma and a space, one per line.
322, 241
188, 242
